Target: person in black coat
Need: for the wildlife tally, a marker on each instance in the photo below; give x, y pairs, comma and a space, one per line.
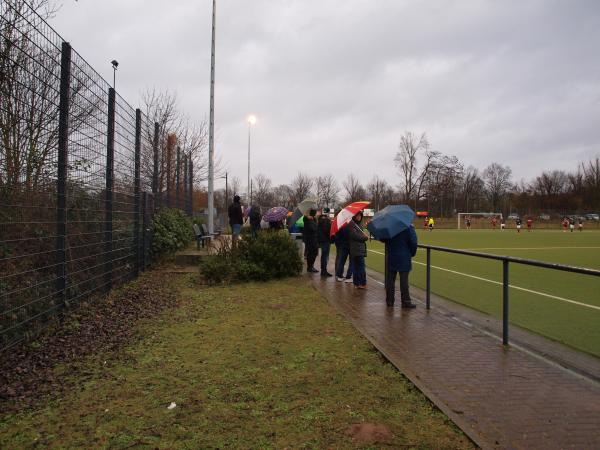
236, 218
255, 217
342, 252
399, 252
358, 250
310, 240
324, 239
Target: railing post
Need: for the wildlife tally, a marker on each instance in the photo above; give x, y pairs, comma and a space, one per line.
155, 165
136, 225
61, 186
505, 302
108, 203
428, 294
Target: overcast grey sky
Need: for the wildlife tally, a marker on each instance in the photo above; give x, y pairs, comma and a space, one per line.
335, 83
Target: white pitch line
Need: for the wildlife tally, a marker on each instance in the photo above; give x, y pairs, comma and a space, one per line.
510, 285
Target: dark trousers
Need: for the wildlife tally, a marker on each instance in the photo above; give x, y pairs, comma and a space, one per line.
360, 271
342, 254
311, 256
390, 287
325, 248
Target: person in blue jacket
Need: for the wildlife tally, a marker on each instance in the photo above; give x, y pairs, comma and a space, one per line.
399, 252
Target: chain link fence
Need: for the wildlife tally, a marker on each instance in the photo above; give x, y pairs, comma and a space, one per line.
74, 221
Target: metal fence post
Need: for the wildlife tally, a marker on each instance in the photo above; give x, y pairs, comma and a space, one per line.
145, 224
428, 295
136, 224
177, 178
169, 179
191, 188
108, 204
61, 186
186, 197
505, 302
155, 166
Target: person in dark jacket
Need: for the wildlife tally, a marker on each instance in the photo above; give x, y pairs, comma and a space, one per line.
398, 253
255, 217
324, 238
358, 250
342, 253
310, 240
236, 218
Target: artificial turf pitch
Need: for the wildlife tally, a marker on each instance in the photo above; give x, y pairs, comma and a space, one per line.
568, 313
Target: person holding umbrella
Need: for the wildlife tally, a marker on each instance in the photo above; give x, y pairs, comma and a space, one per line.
323, 235
342, 252
310, 240
358, 250
393, 226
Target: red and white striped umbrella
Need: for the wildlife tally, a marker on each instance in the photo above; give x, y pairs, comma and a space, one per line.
345, 216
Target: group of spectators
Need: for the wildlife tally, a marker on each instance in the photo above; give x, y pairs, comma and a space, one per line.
350, 243
351, 249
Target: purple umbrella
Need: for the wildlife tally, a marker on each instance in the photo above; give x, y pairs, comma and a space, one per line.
275, 214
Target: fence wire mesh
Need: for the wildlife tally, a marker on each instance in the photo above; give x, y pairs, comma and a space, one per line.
64, 236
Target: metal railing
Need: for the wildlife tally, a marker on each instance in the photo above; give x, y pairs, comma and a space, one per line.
506, 260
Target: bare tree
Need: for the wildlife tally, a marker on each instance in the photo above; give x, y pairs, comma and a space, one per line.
283, 196
262, 192
412, 172
591, 175
301, 188
29, 98
472, 188
354, 190
551, 183
377, 191
327, 190
498, 181
235, 187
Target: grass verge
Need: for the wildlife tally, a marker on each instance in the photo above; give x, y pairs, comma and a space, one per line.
249, 366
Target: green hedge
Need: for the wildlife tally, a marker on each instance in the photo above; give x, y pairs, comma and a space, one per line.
171, 231
270, 255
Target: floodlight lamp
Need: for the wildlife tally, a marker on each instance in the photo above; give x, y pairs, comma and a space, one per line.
252, 120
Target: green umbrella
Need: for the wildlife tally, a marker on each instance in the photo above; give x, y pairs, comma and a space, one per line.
303, 208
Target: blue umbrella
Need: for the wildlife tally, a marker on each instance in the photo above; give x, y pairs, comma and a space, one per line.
391, 221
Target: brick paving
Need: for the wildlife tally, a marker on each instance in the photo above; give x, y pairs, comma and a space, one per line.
500, 397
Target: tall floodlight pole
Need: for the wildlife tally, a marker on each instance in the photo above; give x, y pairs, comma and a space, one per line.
251, 121
211, 130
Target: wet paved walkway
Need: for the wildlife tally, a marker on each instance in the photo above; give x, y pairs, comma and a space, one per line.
501, 397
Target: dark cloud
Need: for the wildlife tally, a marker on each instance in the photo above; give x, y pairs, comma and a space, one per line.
334, 84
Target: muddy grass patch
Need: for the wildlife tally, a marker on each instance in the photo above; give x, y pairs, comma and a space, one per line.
75, 347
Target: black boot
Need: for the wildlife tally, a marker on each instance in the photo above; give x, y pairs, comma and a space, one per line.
408, 305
